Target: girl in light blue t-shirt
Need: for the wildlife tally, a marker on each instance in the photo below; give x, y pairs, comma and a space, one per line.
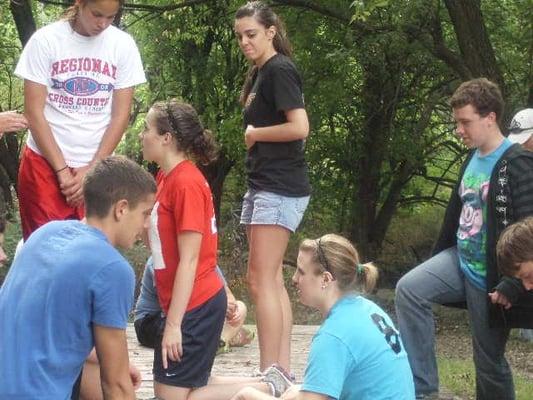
357, 353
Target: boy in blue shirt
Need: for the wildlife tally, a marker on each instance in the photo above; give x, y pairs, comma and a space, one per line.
70, 290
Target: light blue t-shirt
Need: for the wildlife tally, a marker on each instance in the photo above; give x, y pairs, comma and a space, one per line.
66, 278
472, 231
357, 354
147, 302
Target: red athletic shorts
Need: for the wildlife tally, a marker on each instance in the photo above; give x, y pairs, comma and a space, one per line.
40, 199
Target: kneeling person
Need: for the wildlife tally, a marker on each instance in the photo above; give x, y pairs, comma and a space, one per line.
70, 290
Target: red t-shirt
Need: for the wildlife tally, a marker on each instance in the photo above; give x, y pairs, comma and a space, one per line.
184, 203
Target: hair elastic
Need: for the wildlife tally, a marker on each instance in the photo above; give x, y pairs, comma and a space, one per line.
360, 269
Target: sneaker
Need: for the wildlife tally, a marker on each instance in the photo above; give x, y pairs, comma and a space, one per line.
278, 379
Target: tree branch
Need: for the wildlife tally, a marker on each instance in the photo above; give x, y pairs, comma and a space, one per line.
139, 7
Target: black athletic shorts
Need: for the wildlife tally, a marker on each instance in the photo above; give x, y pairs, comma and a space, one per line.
200, 331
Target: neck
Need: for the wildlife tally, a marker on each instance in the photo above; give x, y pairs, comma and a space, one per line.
267, 56
333, 294
76, 28
169, 161
494, 141
104, 225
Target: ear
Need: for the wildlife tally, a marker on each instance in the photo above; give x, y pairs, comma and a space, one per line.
327, 277
120, 208
271, 32
167, 137
492, 117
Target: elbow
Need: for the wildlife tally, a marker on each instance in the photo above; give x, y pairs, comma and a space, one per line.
303, 131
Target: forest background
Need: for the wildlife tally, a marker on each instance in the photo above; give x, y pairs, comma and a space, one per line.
377, 77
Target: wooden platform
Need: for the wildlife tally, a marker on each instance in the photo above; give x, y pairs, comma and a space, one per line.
240, 361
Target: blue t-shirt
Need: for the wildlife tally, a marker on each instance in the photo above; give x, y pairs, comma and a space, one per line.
66, 278
472, 231
357, 354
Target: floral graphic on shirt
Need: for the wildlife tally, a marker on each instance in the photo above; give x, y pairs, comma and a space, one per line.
471, 235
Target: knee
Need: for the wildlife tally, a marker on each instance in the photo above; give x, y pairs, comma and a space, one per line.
254, 284
405, 288
246, 393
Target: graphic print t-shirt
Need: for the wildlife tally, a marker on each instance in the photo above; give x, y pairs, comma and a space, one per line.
80, 74
472, 232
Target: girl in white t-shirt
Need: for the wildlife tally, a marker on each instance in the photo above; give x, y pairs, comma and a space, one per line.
79, 76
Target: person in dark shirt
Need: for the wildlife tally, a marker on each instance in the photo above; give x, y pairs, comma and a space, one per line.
275, 127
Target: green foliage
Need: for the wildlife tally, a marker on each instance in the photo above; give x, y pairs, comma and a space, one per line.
376, 94
459, 377
362, 9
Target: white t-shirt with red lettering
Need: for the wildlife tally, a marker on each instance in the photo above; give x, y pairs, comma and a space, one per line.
80, 73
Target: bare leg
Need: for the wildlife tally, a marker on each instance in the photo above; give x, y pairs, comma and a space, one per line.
224, 389
285, 349
267, 246
252, 394
90, 388
167, 392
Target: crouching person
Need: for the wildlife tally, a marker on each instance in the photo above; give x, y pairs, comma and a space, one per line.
70, 290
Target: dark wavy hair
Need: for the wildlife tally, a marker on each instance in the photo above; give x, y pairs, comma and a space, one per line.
182, 122
485, 96
265, 16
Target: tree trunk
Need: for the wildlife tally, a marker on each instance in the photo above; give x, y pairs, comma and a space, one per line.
21, 11
215, 174
474, 43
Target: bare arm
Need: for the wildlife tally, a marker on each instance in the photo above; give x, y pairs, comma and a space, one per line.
34, 101
120, 114
189, 249
112, 350
296, 127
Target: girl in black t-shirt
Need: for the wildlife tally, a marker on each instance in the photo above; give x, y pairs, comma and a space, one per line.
276, 125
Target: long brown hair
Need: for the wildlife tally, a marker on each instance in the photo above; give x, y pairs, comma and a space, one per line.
265, 16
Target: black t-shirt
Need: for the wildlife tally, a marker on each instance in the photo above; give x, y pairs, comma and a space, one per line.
277, 167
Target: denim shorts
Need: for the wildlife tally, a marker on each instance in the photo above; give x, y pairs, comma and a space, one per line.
267, 208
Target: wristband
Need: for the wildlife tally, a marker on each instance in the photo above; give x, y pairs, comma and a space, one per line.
61, 169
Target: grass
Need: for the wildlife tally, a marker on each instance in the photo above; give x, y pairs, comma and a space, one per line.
458, 376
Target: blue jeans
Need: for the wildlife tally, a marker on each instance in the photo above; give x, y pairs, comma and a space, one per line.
440, 280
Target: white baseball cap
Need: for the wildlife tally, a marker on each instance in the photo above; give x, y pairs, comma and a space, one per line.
521, 127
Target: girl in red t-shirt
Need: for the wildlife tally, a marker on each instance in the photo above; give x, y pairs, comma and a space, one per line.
183, 240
